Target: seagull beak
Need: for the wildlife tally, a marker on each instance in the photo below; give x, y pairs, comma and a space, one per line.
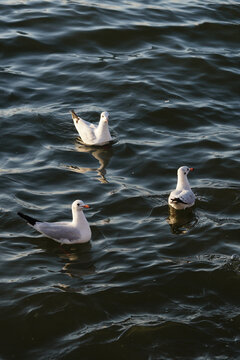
191, 169
86, 206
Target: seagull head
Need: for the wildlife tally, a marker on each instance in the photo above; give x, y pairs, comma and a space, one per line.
184, 170
104, 116
78, 205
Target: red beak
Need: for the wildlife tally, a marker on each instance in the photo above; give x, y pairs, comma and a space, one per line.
86, 206
191, 169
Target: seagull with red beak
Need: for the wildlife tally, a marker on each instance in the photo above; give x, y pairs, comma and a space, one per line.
92, 134
182, 197
76, 231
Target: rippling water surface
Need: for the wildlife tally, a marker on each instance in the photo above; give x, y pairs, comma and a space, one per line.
151, 284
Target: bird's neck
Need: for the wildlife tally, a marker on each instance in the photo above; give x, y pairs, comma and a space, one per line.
78, 218
103, 128
182, 182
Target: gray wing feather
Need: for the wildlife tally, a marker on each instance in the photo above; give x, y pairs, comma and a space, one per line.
187, 196
184, 196
58, 231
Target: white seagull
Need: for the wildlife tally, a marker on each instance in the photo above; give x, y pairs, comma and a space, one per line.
182, 197
93, 134
76, 231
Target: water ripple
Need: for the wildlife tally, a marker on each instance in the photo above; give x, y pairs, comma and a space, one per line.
152, 283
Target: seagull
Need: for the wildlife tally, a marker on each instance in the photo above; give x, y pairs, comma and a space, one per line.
182, 197
93, 134
75, 232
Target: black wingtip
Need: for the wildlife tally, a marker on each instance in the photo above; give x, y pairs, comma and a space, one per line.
29, 219
177, 200
73, 113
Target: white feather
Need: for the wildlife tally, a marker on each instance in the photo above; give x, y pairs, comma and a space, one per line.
93, 134
182, 197
76, 231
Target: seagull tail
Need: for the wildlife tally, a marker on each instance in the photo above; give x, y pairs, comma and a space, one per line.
29, 219
74, 115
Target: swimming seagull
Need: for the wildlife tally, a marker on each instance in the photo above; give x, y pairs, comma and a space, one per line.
93, 134
182, 197
75, 232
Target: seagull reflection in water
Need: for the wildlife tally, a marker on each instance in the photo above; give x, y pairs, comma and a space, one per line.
181, 221
78, 260
103, 154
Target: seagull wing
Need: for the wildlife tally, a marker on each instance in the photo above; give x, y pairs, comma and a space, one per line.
85, 129
184, 196
61, 232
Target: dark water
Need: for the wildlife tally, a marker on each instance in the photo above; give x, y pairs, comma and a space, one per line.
150, 285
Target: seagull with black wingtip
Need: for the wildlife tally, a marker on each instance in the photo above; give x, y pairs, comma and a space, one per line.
182, 197
92, 134
76, 231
